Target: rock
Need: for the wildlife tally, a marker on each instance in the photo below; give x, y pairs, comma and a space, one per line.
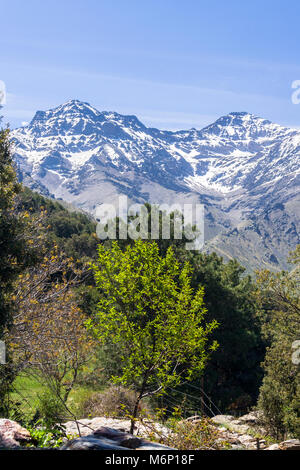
291, 444
240, 428
237, 447
122, 439
223, 419
230, 440
106, 438
89, 426
242, 425
131, 442
91, 443
252, 418
248, 441
194, 418
262, 444
12, 434
273, 447
147, 445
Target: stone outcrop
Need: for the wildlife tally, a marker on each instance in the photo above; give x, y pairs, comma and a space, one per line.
242, 425
86, 427
235, 431
239, 433
291, 444
112, 434
112, 439
12, 435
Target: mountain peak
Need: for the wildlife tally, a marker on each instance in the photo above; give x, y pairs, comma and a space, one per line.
242, 125
76, 106
239, 165
69, 107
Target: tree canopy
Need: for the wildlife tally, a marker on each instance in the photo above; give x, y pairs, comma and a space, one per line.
150, 311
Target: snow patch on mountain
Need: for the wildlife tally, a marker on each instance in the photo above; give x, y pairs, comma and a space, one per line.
238, 166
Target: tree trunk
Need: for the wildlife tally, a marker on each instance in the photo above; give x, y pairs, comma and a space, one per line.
135, 412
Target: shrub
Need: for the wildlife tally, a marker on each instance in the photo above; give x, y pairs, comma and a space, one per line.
199, 435
116, 401
51, 409
44, 437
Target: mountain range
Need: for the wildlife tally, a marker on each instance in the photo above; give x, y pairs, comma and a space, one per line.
244, 169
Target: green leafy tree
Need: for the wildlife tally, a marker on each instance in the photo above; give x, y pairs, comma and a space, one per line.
149, 310
233, 374
279, 297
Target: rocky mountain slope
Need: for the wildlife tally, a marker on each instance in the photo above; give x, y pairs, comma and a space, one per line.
244, 169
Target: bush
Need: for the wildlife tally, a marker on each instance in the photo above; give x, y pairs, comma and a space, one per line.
199, 435
116, 401
280, 393
51, 409
44, 437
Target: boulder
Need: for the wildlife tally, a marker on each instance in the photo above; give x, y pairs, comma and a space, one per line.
291, 444
91, 443
223, 419
89, 426
273, 447
106, 438
148, 445
12, 434
252, 419
122, 439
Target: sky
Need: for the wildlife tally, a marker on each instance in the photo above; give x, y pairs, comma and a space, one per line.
176, 64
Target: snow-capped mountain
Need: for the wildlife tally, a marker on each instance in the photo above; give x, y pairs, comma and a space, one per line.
243, 168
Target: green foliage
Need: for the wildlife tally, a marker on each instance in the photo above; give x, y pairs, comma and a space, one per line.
17, 250
233, 374
182, 434
200, 435
15, 254
51, 408
280, 392
115, 401
73, 232
149, 311
45, 436
279, 297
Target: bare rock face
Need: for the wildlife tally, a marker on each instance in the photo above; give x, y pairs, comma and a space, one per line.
12, 434
245, 168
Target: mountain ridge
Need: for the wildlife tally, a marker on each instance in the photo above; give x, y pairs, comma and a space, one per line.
241, 166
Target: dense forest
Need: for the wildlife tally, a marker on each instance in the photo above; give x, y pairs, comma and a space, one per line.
170, 328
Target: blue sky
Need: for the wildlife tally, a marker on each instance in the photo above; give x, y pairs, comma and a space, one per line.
175, 64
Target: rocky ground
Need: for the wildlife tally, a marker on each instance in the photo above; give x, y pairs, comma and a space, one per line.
247, 433
244, 433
